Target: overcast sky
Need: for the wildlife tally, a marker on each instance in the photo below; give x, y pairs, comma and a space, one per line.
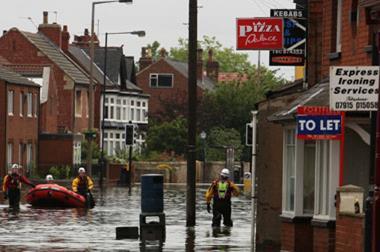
163, 20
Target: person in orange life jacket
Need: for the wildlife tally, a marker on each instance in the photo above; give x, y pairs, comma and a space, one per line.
82, 184
221, 191
4, 189
13, 185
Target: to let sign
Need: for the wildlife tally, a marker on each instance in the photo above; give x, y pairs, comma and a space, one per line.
318, 123
259, 33
354, 88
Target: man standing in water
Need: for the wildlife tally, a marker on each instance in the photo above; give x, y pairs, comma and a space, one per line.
12, 185
221, 191
83, 185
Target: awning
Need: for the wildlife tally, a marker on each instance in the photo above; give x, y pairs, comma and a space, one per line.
317, 95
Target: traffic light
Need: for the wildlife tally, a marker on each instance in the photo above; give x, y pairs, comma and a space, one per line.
248, 134
129, 134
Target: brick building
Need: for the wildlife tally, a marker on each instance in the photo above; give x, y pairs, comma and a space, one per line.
165, 80
19, 113
340, 33
64, 101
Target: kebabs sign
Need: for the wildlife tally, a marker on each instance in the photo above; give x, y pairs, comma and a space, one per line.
354, 88
259, 33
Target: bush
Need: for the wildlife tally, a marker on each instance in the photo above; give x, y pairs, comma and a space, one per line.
61, 172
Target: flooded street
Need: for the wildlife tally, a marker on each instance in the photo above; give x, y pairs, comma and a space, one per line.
94, 230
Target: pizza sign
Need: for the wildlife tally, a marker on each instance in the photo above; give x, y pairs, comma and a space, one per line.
260, 33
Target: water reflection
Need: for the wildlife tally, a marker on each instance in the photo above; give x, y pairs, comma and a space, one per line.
34, 229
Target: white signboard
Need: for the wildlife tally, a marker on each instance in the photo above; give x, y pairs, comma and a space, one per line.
354, 88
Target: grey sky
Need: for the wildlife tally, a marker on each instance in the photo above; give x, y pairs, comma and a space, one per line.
162, 20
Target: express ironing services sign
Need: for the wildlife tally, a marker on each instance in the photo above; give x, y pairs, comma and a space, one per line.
319, 123
354, 88
259, 33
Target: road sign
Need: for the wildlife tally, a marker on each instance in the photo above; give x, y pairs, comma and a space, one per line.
354, 88
259, 33
295, 31
319, 123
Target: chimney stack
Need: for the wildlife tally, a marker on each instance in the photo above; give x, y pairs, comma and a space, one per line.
84, 40
65, 39
212, 67
146, 59
199, 64
51, 31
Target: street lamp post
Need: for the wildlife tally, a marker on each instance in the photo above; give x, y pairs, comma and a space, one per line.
203, 137
91, 86
139, 34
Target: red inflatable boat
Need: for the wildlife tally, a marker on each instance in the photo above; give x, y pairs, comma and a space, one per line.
53, 195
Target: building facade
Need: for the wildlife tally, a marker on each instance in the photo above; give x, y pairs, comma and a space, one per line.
19, 111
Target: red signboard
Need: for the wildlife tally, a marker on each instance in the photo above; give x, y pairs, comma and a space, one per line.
259, 33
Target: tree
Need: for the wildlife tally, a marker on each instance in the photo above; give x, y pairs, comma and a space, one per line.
154, 49
217, 141
168, 136
229, 60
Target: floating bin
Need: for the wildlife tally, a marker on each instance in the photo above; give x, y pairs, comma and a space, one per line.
152, 193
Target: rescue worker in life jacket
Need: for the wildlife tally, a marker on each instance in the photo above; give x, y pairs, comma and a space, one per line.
221, 191
12, 186
83, 185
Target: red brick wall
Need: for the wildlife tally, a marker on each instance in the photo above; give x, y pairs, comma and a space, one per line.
297, 237
55, 151
22, 129
323, 239
178, 92
3, 150
354, 38
349, 233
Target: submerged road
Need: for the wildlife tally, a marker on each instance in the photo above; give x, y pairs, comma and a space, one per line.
94, 230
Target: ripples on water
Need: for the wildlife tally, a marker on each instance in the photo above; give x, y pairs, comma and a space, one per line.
94, 230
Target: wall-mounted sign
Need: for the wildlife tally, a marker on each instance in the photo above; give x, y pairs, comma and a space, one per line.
295, 24
259, 33
354, 88
319, 123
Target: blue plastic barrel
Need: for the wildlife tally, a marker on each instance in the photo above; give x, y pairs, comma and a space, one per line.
152, 193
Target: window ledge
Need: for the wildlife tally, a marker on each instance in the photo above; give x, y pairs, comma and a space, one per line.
296, 219
323, 223
335, 55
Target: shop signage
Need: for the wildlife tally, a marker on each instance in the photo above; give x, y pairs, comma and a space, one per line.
319, 123
354, 88
293, 53
259, 33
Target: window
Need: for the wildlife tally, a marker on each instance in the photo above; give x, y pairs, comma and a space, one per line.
21, 104
29, 99
78, 103
20, 153
308, 177
10, 102
132, 114
9, 154
289, 169
35, 105
118, 109
124, 114
161, 80
138, 115
29, 156
336, 43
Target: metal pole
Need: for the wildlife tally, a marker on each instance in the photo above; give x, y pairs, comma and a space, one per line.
103, 110
192, 96
91, 94
204, 161
253, 176
130, 169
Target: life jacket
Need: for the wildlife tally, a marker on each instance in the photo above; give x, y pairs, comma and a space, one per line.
14, 181
82, 184
222, 190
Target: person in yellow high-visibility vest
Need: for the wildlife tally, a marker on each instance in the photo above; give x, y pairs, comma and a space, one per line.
220, 192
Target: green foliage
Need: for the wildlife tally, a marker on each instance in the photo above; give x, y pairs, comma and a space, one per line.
95, 150
229, 60
61, 172
168, 136
154, 49
218, 138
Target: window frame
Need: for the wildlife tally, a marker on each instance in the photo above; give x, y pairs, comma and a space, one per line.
78, 104
21, 108
10, 102
29, 103
156, 76
338, 35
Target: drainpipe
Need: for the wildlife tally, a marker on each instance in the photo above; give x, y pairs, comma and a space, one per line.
253, 176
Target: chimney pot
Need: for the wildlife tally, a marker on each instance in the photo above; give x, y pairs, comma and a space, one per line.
143, 52
65, 28
86, 32
4, 31
162, 53
45, 17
